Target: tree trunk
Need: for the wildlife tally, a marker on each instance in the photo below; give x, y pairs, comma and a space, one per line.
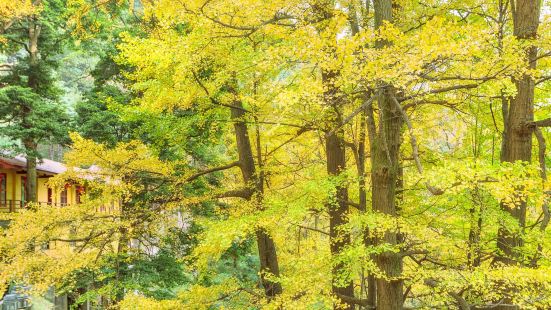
336, 164
31, 187
385, 176
371, 283
73, 297
517, 135
369, 241
361, 157
29, 143
266, 246
474, 254
34, 34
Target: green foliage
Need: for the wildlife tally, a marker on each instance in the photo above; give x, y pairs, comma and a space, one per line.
26, 115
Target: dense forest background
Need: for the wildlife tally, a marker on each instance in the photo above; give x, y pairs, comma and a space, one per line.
282, 154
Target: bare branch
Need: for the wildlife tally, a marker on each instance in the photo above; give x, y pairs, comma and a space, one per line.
297, 134
415, 147
441, 90
412, 138
313, 229
351, 116
353, 204
244, 193
543, 123
211, 170
422, 102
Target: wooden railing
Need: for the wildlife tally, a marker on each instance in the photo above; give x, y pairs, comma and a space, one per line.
16, 205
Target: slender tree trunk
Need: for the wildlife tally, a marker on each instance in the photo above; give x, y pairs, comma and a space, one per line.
122, 250
474, 255
385, 176
34, 34
338, 208
29, 143
371, 130
371, 283
361, 158
266, 246
517, 144
336, 164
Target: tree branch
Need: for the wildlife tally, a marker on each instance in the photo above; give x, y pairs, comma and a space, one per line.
412, 138
250, 29
244, 193
297, 134
434, 102
353, 204
441, 90
351, 116
211, 170
211, 98
543, 123
461, 302
415, 147
314, 229
356, 301
543, 79
545, 207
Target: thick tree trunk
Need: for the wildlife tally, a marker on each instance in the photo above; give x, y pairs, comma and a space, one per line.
266, 246
385, 172
385, 176
517, 145
31, 187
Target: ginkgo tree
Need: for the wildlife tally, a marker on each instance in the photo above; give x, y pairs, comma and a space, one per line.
363, 154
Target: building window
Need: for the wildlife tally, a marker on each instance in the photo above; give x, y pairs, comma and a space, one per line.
50, 196
79, 192
45, 245
3, 189
63, 197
